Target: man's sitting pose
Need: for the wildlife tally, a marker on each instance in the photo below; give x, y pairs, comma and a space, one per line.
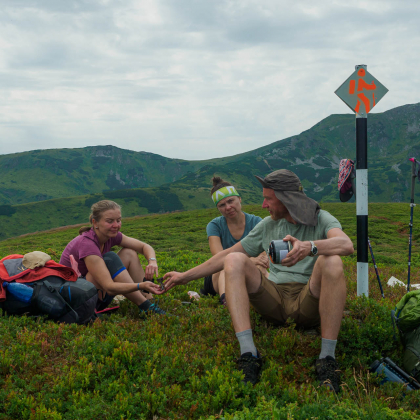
309, 286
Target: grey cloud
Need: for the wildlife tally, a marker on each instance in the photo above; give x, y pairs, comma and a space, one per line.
222, 76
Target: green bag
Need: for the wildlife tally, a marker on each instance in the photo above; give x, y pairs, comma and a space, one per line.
406, 317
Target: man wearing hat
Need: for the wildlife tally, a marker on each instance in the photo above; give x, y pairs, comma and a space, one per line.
308, 286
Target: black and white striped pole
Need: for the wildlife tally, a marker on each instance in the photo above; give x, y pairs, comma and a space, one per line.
361, 92
362, 205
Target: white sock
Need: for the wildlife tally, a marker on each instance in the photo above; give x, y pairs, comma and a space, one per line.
246, 342
327, 348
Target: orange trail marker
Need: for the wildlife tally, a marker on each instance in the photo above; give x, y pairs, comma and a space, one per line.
365, 101
358, 94
352, 87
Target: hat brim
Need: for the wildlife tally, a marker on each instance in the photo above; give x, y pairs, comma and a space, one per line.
262, 182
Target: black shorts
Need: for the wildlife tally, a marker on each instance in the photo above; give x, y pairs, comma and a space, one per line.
115, 266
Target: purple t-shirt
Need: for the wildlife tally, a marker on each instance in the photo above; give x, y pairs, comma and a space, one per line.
84, 245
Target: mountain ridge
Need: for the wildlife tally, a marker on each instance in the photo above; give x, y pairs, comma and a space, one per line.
314, 155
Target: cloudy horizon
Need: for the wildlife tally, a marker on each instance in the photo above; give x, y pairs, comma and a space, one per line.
190, 79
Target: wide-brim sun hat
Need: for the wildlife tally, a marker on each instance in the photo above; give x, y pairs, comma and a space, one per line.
288, 189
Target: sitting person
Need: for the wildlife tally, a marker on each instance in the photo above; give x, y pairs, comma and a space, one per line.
308, 286
227, 230
111, 273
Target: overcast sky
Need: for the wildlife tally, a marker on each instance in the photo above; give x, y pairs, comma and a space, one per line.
193, 79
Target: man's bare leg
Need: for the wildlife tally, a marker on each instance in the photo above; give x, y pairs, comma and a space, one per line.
329, 285
243, 277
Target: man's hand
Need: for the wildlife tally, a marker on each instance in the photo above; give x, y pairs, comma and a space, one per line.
173, 279
300, 251
148, 286
151, 269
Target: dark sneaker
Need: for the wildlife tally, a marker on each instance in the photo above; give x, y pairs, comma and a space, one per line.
328, 373
152, 309
250, 366
208, 289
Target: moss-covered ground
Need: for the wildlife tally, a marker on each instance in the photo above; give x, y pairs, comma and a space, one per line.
183, 367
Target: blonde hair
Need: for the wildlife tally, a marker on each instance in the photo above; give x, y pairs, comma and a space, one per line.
97, 210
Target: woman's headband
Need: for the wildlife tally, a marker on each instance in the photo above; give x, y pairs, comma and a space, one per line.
224, 192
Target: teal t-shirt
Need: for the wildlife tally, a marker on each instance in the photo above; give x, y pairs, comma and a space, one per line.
268, 230
218, 227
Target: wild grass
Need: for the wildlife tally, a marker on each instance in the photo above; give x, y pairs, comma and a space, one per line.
183, 367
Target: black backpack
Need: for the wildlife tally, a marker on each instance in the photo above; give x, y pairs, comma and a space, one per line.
63, 301
59, 299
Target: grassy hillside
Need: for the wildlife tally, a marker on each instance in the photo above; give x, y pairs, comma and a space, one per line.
45, 174
184, 367
314, 155
393, 137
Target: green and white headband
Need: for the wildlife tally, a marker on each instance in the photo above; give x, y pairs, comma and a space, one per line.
224, 192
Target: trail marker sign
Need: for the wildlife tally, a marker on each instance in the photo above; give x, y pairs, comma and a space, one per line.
361, 91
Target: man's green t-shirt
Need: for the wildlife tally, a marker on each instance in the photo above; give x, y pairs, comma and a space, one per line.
268, 230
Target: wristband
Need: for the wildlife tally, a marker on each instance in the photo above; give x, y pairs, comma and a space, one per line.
138, 286
152, 259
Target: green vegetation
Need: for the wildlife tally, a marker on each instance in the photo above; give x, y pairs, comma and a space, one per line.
39, 216
183, 367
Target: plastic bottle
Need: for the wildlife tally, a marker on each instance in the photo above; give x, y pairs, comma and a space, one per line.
20, 291
393, 373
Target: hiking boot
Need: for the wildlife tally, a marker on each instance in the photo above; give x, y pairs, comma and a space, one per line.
152, 309
328, 373
250, 366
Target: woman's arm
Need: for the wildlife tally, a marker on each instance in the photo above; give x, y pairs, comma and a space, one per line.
102, 279
261, 260
144, 249
215, 245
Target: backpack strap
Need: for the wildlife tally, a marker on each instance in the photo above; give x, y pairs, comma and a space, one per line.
53, 290
394, 321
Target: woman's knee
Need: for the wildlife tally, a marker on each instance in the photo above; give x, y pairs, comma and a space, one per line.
113, 263
128, 256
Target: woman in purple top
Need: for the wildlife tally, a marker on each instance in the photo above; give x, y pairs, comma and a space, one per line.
113, 273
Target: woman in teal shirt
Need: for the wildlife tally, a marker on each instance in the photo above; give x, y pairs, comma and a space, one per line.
227, 230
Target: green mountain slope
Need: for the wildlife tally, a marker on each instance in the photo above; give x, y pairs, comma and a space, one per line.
314, 155
44, 174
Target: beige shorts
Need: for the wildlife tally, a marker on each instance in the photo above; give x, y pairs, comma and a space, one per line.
278, 302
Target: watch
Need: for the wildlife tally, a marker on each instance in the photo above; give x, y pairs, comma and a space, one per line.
152, 259
314, 249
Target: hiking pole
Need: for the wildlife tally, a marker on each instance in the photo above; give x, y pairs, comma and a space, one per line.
413, 180
376, 268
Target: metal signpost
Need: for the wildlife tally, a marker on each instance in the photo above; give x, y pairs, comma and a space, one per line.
361, 92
